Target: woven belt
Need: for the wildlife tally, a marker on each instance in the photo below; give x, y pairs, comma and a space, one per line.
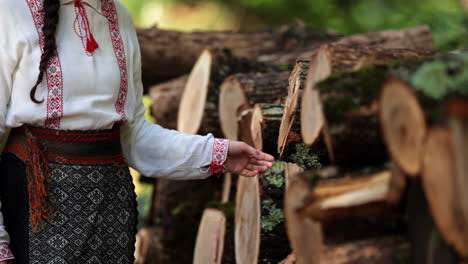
38, 146
70, 147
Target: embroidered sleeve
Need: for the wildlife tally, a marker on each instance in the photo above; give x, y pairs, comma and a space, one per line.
219, 156
5, 252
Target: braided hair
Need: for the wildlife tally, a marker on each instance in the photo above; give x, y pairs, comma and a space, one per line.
51, 19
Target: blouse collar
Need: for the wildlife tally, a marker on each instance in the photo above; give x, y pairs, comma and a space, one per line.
96, 4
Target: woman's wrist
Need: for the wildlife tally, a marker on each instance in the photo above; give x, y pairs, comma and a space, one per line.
219, 156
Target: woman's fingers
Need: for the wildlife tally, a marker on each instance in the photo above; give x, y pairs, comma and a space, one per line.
260, 162
249, 173
256, 168
258, 154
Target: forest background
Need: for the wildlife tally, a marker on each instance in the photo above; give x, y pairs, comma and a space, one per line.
447, 20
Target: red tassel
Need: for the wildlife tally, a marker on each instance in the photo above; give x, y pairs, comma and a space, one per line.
83, 24
216, 169
41, 206
91, 44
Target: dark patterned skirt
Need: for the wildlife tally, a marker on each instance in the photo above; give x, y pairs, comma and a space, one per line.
93, 196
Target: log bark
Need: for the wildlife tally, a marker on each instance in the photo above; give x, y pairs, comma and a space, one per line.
333, 58
351, 197
416, 38
264, 127
350, 104
148, 248
378, 250
163, 59
289, 131
386, 250
242, 91
317, 242
166, 99
440, 182
273, 245
179, 212
409, 106
198, 111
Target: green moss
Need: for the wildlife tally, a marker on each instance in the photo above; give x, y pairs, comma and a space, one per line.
303, 158
228, 208
274, 216
442, 77
346, 91
275, 175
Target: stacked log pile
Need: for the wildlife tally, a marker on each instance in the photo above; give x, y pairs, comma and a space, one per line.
356, 123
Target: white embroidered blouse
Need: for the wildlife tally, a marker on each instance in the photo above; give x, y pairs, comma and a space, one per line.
88, 91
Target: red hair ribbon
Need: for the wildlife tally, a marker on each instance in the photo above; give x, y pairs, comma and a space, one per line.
82, 19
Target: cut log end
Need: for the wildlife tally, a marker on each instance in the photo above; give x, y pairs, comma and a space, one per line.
304, 234
210, 239
247, 220
355, 196
312, 118
291, 107
439, 178
192, 104
231, 100
403, 125
256, 127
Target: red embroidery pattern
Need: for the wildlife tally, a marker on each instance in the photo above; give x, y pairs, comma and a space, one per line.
220, 151
5, 252
110, 12
54, 71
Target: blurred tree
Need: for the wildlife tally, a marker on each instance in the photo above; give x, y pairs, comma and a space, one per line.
446, 18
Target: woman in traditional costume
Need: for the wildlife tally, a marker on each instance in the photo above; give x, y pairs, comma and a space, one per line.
77, 123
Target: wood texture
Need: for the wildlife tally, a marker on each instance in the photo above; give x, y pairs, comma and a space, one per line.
166, 99
198, 111
289, 131
334, 58
265, 124
291, 172
350, 197
440, 182
242, 91
210, 239
384, 250
247, 220
416, 38
404, 125
163, 60
305, 235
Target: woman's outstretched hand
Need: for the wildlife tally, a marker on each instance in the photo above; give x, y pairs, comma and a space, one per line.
245, 160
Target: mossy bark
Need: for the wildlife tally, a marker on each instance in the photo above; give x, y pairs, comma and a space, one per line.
180, 209
240, 92
350, 104
274, 245
225, 64
268, 87
265, 133
169, 54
